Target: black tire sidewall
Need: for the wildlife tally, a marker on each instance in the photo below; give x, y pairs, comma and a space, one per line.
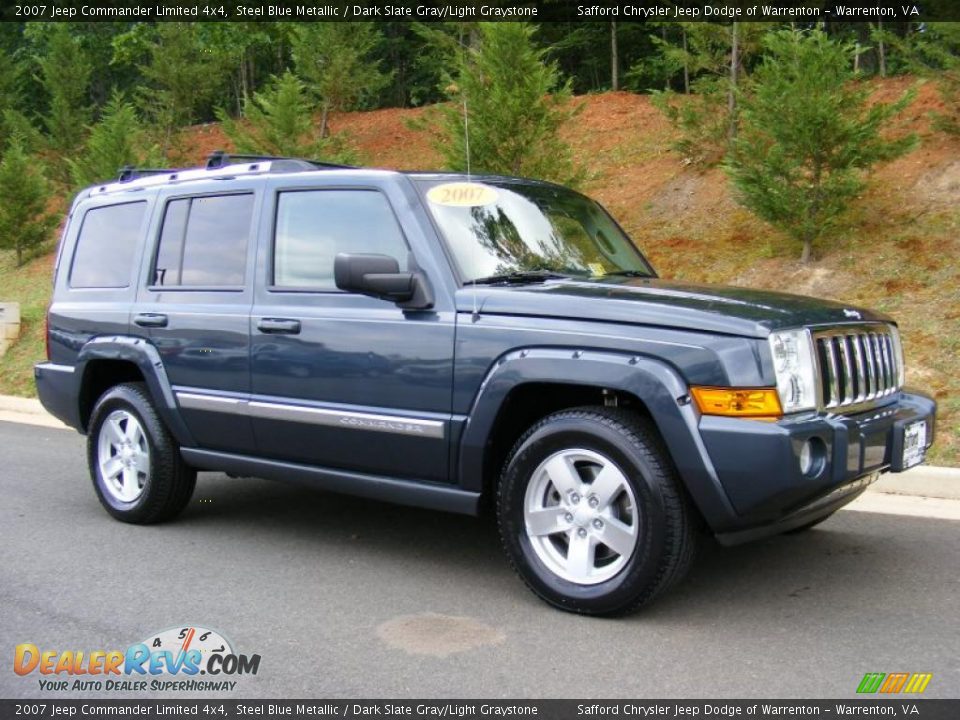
621, 591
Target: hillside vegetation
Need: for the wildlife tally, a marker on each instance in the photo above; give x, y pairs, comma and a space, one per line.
896, 253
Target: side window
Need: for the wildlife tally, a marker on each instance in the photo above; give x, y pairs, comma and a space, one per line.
203, 242
313, 226
106, 246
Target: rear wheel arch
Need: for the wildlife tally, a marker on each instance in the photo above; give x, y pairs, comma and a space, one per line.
108, 361
98, 377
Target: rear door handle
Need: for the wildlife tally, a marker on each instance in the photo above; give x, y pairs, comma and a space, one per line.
278, 325
150, 320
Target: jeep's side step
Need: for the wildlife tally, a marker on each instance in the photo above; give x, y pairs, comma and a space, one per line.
375, 487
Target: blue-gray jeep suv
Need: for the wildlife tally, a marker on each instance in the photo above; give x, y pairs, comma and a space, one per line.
458, 342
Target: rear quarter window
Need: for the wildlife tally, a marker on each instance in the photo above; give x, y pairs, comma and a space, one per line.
106, 246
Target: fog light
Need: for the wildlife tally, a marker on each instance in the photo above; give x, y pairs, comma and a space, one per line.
813, 455
806, 458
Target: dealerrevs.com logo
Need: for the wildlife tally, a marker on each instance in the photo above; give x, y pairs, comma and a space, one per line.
172, 660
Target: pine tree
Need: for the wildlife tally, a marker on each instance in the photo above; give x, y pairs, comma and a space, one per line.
65, 76
713, 58
25, 222
279, 121
182, 78
515, 105
335, 59
117, 140
808, 135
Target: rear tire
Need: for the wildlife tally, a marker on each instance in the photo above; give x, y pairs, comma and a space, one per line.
134, 462
592, 514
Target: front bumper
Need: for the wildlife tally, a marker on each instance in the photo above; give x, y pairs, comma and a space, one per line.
758, 463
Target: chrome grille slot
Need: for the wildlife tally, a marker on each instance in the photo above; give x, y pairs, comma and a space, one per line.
858, 365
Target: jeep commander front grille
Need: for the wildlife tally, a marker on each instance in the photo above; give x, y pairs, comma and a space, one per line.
856, 366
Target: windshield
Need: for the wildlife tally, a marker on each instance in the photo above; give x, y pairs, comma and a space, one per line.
498, 228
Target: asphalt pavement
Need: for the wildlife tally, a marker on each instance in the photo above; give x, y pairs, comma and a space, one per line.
346, 598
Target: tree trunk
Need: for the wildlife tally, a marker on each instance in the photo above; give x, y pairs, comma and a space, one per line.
881, 50
805, 255
732, 95
663, 36
856, 59
614, 58
686, 63
325, 113
19, 255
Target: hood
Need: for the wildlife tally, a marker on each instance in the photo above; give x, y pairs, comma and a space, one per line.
649, 301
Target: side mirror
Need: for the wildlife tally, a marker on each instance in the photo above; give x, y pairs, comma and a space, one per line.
379, 276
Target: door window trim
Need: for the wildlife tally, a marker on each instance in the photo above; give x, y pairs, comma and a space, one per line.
158, 232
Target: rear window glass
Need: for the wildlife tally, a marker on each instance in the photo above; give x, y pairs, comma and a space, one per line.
106, 246
203, 242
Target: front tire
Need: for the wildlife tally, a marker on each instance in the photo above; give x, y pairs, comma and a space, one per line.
591, 512
134, 462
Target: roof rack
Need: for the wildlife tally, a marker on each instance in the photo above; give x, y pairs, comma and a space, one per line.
220, 158
220, 164
129, 172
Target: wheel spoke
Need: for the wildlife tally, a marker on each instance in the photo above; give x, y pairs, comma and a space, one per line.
111, 468
546, 521
130, 485
141, 462
114, 431
608, 484
617, 536
134, 434
563, 475
580, 555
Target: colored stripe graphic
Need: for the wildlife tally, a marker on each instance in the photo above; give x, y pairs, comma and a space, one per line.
894, 682
870, 683
918, 682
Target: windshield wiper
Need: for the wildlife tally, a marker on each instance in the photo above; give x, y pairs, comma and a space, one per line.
627, 273
518, 277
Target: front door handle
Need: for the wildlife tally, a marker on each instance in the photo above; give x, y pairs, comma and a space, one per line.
278, 325
150, 320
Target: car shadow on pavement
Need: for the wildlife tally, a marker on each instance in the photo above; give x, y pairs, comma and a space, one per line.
845, 561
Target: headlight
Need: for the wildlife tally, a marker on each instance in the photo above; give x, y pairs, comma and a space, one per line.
792, 352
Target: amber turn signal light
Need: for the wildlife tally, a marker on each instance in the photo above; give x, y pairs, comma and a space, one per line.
757, 403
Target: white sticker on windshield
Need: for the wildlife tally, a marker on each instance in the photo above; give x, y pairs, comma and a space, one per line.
462, 194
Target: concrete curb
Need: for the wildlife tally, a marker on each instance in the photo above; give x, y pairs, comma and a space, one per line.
924, 481
27, 411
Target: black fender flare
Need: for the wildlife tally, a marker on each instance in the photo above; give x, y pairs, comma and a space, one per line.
655, 383
144, 355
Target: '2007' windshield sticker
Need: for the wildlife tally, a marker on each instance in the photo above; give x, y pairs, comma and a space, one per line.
462, 194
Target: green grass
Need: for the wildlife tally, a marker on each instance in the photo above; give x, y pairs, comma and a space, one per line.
30, 286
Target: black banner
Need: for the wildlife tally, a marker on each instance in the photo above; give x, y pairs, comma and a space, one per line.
803, 11
905, 707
